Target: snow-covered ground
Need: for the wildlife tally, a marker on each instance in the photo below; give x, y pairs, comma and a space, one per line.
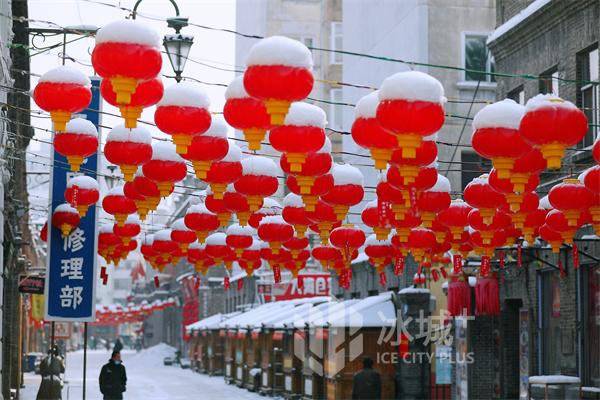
147, 378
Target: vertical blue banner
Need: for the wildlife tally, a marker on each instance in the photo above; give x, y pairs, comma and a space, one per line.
70, 291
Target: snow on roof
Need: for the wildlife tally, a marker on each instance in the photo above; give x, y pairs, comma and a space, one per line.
554, 379
548, 101
137, 135
165, 151
441, 185
280, 50
116, 191
218, 127
81, 126
217, 238
185, 94
366, 107
83, 182
412, 85
237, 229
374, 311
66, 74
199, 208
293, 200
304, 114
506, 113
236, 89
260, 166
517, 19
243, 318
128, 31
301, 313
66, 207
179, 225
413, 290
362, 257
321, 313
211, 322
234, 154
164, 235
346, 174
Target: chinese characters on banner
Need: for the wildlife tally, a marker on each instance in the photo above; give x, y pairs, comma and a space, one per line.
70, 291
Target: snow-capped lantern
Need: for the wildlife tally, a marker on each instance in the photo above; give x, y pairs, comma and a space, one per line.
118, 205
480, 194
201, 220
386, 193
326, 255
379, 251
317, 188
433, 201
269, 207
217, 206
420, 242
211, 146
63, 91
239, 238
251, 257
165, 168
139, 199
403, 227
128, 148
225, 171
552, 124
425, 179
130, 229
499, 221
374, 217
82, 192
275, 231
532, 163
65, 218
246, 113
529, 203
295, 245
497, 137
302, 132
347, 238
369, 134
258, 180
558, 221
278, 73
316, 164
506, 187
455, 217
182, 235
325, 219
483, 247
163, 244
294, 213
217, 248
347, 190
76, 141
572, 197
409, 168
236, 203
147, 188
126, 53
411, 106
551, 236
183, 113
147, 93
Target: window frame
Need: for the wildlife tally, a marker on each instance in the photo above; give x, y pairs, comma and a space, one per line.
583, 57
517, 91
336, 30
489, 79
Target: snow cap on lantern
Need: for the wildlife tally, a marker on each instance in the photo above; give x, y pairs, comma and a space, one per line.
128, 148
82, 192
211, 146
77, 141
379, 251
239, 237
275, 231
480, 194
258, 180
347, 238
270, 207
183, 113
62, 91
572, 197
201, 220
165, 167
65, 218
225, 171
294, 213
181, 234
347, 189
117, 204
279, 72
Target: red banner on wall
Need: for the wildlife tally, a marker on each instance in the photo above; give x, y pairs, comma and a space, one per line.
191, 304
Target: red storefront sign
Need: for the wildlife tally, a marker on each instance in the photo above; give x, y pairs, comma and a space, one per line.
313, 285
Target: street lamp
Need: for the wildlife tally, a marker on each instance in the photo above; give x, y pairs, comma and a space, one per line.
177, 45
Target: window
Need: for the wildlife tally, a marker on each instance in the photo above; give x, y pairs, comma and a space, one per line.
472, 165
517, 95
549, 335
591, 324
335, 110
477, 57
589, 93
549, 82
336, 42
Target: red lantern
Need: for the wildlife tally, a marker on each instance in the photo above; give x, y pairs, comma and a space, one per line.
420, 242
558, 221
572, 197
591, 180
126, 52
552, 124
211, 146
347, 189
117, 204
500, 221
294, 213
77, 141
65, 218
278, 73
258, 180
82, 192
529, 203
224, 172
319, 187
108, 240
374, 217
183, 113
505, 187
302, 132
246, 113
63, 91
165, 168
379, 251
315, 165
596, 150
408, 168
411, 106
147, 93
480, 194
295, 245
532, 223
426, 179
217, 248
130, 229
403, 228
487, 296
269, 207
459, 296
551, 236
326, 255
433, 201
138, 198
347, 238
202, 221
497, 240
275, 231
239, 238
497, 137
163, 244
532, 163
386, 193
236, 203
217, 207
182, 235
455, 217
325, 218
147, 188
251, 256
128, 148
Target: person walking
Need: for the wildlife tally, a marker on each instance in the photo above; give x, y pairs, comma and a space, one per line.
50, 368
366, 384
118, 345
113, 379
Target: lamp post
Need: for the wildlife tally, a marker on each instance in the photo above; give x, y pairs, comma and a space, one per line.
177, 45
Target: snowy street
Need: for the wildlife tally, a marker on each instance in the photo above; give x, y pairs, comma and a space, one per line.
147, 378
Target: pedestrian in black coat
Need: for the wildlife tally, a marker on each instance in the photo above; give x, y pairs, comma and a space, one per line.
366, 384
113, 379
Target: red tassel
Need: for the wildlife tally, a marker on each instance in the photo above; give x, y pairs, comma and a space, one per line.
444, 273
575, 256
501, 259
276, 273
399, 266
459, 298
226, 282
519, 255
457, 259
156, 281
487, 296
435, 275
300, 282
382, 279
240, 284
349, 275
197, 283
484, 270
561, 268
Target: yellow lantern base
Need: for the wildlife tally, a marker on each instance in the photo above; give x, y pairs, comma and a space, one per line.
75, 162
409, 144
254, 137
65, 229
82, 209
120, 218
487, 214
123, 87
60, 119
503, 166
128, 172
427, 219
310, 202
519, 180
518, 219
165, 188
130, 114
514, 201
296, 161
243, 217
553, 153
254, 202
201, 168
381, 233
572, 217
408, 173
381, 157
182, 142
306, 183
277, 109
275, 247
218, 190
300, 230
340, 211
224, 218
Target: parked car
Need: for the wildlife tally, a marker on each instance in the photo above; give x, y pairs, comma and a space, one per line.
185, 363
168, 360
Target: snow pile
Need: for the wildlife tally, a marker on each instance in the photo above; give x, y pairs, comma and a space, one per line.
216, 239
137, 135
346, 174
196, 246
128, 31
83, 182
259, 166
459, 203
238, 230
548, 379
164, 235
81, 126
326, 148
199, 208
270, 207
272, 220
147, 240
304, 114
482, 179
442, 185
545, 203
367, 105
105, 228
372, 241
218, 127
293, 200
179, 225
116, 191
548, 101
412, 290
185, 94
412, 85
234, 154
502, 114
280, 50
66, 74
517, 19
132, 219
66, 208
153, 356
236, 89
165, 151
